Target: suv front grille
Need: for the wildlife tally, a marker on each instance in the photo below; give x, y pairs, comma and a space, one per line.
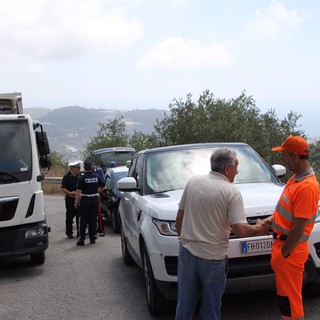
251, 221
249, 266
238, 267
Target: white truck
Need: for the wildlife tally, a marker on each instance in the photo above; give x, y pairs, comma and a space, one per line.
23, 145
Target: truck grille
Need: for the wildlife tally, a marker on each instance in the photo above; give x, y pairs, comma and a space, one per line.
8, 208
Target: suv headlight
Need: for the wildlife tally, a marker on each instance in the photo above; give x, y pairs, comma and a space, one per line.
166, 228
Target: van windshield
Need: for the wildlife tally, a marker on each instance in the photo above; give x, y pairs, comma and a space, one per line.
15, 156
171, 170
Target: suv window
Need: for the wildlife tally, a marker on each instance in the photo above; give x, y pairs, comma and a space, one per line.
136, 170
171, 170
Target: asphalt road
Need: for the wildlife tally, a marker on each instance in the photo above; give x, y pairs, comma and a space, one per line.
92, 282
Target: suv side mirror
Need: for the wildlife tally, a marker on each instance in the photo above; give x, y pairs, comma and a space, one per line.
127, 184
279, 170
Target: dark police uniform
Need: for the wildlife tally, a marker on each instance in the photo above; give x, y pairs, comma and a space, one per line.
69, 182
89, 183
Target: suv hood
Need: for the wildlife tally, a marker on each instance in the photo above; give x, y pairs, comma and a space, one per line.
259, 200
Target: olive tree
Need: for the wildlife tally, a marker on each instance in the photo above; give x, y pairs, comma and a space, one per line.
213, 119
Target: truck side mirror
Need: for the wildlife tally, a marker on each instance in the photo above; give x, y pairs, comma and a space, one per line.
42, 143
45, 162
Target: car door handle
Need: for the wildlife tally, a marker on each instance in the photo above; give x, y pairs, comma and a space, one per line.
138, 212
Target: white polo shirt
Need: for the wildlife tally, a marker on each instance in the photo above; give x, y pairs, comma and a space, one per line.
211, 203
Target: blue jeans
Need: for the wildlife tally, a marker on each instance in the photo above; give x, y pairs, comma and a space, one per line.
200, 278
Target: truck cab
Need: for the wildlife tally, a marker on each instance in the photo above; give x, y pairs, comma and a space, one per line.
24, 148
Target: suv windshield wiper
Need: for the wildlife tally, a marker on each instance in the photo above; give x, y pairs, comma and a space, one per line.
7, 177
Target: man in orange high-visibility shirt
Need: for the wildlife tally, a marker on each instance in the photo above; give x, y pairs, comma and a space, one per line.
292, 223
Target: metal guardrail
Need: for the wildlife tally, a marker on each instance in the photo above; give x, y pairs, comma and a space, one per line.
53, 180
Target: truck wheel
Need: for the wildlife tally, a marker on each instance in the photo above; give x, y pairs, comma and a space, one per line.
38, 258
115, 220
157, 303
127, 259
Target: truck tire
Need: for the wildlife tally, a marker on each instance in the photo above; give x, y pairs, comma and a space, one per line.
127, 259
157, 303
38, 258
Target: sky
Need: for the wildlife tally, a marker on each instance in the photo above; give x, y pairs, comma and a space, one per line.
142, 54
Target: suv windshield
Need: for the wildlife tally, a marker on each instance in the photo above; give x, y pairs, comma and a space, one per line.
15, 146
171, 170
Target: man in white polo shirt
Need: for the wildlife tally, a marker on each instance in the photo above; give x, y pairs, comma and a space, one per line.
209, 206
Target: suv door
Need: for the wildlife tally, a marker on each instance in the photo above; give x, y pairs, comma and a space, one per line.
132, 211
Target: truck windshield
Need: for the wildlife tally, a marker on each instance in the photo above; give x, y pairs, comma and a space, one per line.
171, 170
15, 156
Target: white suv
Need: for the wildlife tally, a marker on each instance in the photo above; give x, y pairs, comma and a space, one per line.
149, 205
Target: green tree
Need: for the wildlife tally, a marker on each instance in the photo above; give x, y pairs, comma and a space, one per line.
110, 134
57, 160
219, 120
140, 141
315, 158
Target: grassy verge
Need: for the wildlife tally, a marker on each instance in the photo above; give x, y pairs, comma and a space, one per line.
53, 188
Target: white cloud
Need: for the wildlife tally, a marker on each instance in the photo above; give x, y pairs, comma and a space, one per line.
276, 22
174, 53
58, 29
36, 68
179, 3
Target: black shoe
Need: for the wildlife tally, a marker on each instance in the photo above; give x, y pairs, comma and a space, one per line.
70, 236
93, 241
80, 243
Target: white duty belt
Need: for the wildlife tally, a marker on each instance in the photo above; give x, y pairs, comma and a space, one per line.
90, 195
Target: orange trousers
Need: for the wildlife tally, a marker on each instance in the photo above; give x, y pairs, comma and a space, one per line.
289, 278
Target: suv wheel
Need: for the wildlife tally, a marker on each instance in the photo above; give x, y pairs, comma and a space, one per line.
115, 220
127, 259
157, 304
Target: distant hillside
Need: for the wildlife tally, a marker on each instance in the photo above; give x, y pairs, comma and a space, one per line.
70, 128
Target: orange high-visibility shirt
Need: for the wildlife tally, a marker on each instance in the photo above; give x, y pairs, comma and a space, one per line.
299, 199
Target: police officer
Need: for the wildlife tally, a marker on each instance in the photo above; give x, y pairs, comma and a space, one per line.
98, 170
68, 187
87, 201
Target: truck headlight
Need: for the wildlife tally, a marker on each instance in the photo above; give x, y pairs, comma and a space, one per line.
166, 228
34, 233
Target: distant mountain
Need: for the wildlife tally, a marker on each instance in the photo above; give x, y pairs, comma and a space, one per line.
70, 128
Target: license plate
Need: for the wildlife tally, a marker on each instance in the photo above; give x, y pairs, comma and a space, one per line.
256, 246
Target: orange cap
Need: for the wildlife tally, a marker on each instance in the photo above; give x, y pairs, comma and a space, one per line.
294, 144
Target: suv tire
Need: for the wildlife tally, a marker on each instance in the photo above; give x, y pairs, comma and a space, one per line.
157, 303
115, 220
127, 259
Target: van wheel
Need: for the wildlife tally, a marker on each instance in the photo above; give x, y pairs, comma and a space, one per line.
127, 259
157, 303
115, 220
38, 258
